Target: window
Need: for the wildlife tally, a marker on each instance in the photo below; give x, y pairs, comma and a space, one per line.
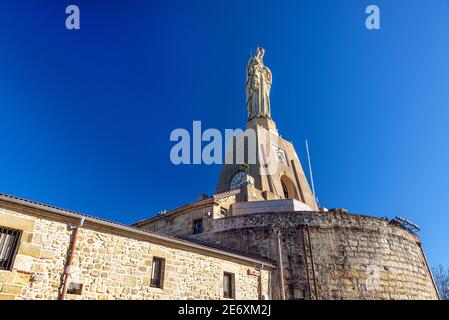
228, 285
157, 273
74, 288
9, 243
223, 212
280, 155
197, 226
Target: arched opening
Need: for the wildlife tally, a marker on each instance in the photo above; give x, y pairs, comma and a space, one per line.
284, 189
288, 188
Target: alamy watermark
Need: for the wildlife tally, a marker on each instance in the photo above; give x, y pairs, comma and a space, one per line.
372, 22
73, 20
235, 146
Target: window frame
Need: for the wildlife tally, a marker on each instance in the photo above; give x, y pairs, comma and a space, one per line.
161, 273
8, 263
231, 283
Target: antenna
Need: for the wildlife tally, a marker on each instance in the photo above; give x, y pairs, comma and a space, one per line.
310, 170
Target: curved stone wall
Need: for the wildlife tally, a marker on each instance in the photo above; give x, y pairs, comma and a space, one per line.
354, 256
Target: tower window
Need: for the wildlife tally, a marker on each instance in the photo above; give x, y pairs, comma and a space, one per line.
228, 285
197, 226
9, 243
280, 154
157, 273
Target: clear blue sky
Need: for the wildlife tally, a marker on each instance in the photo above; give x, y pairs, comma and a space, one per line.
86, 115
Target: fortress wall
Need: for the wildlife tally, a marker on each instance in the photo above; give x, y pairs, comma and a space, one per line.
355, 257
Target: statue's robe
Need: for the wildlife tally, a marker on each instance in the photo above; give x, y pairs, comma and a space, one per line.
258, 85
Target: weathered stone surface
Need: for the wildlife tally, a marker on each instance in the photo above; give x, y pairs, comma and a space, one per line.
23, 263
16, 222
30, 250
7, 296
129, 281
48, 254
11, 289
22, 278
7, 276
355, 257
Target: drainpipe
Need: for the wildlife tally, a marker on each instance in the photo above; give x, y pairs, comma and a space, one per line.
66, 275
260, 283
281, 265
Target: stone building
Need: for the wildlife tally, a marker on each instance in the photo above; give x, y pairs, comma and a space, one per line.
114, 261
261, 235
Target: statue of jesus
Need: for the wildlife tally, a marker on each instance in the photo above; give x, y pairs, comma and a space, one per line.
258, 85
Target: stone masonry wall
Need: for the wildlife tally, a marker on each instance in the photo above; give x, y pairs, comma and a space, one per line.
180, 224
112, 266
355, 257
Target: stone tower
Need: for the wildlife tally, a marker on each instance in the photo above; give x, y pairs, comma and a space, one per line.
318, 254
259, 162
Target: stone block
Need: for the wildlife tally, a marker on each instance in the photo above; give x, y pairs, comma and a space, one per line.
37, 239
129, 281
12, 289
22, 278
38, 267
48, 254
30, 250
16, 222
27, 237
7, 276
7, 296
23, 263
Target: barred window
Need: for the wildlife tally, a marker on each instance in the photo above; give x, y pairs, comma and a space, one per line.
228, 285
9, 243
157, 273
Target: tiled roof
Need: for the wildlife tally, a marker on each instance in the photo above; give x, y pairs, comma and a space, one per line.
207, 200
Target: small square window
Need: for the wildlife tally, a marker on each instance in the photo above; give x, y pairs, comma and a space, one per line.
75, 288
157, 273
197, 226
9, 243
228, 285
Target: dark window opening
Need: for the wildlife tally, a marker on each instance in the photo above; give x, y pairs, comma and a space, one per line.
197, 226
75, 288
285, 190
157, 273
9, 243
228, 285
223, 212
